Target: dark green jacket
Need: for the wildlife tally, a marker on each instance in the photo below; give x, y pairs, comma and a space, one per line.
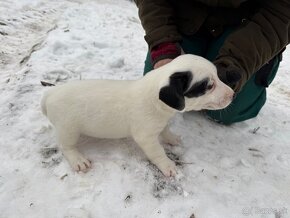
264, 34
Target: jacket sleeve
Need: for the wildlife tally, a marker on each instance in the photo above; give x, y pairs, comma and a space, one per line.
256, 43
157, 18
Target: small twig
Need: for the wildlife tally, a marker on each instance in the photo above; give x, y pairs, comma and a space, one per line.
46, 83
182, 162
253, 149
255, 130
128, 197
65, 175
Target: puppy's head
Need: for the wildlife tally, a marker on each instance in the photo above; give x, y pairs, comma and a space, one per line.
190, 82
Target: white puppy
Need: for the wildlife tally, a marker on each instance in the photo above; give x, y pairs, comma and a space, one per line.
139, 109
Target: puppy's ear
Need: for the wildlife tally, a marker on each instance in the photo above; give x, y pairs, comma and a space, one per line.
172, 94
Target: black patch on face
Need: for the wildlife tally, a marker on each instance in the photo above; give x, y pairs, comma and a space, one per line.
198, 89
172, 94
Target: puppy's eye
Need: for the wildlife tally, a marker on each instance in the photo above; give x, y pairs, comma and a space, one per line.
210, 86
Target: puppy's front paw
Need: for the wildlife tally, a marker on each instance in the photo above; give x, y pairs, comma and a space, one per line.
168, 168
77, 161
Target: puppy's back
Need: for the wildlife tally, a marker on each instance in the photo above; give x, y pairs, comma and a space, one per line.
90, 105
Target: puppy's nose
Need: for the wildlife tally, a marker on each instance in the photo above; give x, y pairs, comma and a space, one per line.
230, 96
234, 96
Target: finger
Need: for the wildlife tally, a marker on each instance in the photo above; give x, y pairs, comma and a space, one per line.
162, 62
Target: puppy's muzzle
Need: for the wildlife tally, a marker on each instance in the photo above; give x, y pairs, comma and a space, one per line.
227, 99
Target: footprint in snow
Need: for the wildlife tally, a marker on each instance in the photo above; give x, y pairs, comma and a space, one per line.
118, 63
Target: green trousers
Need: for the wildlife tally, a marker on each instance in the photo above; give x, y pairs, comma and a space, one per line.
249, 101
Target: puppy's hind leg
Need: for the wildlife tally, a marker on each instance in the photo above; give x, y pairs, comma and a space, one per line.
68, 138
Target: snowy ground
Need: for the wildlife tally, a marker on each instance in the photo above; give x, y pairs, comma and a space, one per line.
238, 171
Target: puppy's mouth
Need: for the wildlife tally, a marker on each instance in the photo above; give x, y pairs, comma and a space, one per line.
219, 106
222, 103
213, 107
210, 107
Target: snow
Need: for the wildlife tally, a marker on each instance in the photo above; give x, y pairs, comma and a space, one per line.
242, 170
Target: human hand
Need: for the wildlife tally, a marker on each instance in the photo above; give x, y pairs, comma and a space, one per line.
162, 62
230, 75
164, 53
